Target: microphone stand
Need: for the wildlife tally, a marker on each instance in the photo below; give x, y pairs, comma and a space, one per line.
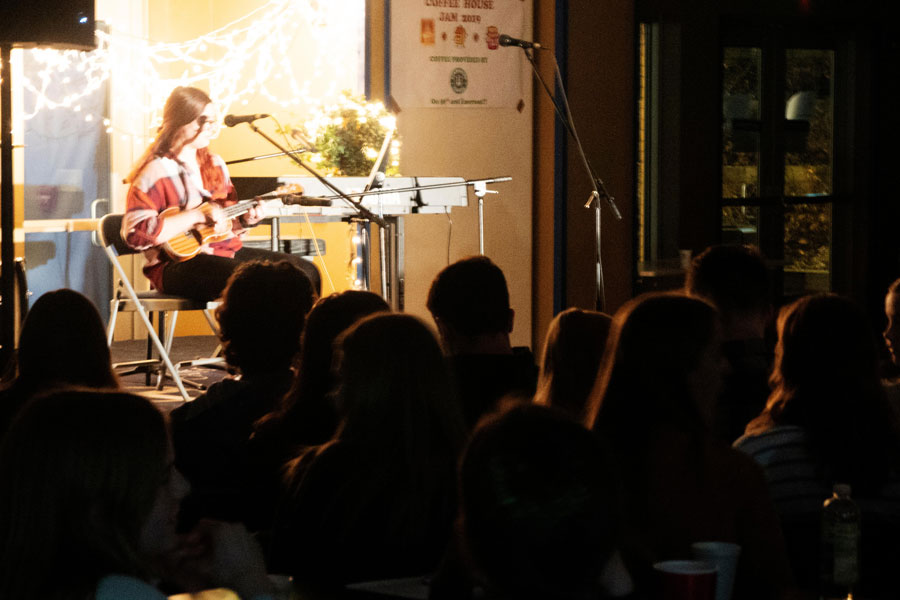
264, 156
599, 188
360, 209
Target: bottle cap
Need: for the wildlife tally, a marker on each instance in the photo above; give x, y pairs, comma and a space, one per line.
841, 489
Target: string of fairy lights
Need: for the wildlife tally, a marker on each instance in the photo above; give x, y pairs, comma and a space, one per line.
283, 52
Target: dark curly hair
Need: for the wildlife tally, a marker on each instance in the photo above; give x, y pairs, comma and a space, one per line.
263, 311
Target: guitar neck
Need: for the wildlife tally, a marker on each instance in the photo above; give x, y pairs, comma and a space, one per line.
243, 206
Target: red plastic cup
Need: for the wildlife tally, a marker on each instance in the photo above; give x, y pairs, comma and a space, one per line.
685, 580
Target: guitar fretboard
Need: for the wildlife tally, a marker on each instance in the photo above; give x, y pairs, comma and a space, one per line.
240, 208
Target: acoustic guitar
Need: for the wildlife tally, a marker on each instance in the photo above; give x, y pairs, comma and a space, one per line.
187, 244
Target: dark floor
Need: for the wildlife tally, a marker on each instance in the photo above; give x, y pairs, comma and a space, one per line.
183, 348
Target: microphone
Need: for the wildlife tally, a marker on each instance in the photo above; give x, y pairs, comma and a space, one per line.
232, 120
505, 40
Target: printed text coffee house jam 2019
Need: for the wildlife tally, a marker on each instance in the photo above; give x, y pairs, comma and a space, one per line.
482, 4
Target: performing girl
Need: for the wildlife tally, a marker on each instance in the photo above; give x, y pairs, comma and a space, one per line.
178, 186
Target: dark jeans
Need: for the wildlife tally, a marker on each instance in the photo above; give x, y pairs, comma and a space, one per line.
204, 276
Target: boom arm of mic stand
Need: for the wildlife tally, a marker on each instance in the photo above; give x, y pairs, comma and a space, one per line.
264, 156
566, 119
362, 210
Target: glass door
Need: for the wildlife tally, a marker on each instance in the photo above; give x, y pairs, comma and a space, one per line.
778, 126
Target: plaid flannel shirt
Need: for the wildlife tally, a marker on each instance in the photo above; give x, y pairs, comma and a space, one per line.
163, 183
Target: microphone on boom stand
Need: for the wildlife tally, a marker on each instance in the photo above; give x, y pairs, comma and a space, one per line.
232, 120
564, 112
506, 40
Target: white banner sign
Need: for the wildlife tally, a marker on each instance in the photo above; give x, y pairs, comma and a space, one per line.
446, 53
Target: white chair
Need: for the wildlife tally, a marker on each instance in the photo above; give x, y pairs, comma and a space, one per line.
145, 304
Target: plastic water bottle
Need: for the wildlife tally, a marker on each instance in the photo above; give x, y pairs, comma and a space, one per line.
840, 544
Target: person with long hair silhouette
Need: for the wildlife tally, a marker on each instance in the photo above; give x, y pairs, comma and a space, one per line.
179, 186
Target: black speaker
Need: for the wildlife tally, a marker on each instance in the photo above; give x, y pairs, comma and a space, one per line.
63, 24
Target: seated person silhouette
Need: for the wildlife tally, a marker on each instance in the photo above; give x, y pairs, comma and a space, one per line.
539, 513
306, 415
891, 337
88, 505
63, 342
573, 350
469, 302
734, 279
653, 404
261, 321
828, 421
377, 500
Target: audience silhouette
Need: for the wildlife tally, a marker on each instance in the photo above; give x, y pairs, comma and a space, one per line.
540, 509
88, 503
734, 279
469, 302
377, 500
653, 404
261, 320
306, 416
891, 337
63, 342
572, 353
828, 421
340, 436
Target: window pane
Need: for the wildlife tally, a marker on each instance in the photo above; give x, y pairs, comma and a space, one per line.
808, 125
740, 225
741, 126
808, 139
807, 248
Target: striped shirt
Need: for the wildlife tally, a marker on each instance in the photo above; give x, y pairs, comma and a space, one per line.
164, 183
796, 483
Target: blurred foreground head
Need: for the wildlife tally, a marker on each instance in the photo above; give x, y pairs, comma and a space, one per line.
538, 506
81, 472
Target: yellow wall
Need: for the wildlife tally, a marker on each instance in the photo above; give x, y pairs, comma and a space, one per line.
473, 143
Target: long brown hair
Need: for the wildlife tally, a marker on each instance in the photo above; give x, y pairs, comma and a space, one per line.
63, 342
642, 392
572, 352
656, 340
306, 415
399, 415
184, 105
825, 379
392, 374
79, 472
